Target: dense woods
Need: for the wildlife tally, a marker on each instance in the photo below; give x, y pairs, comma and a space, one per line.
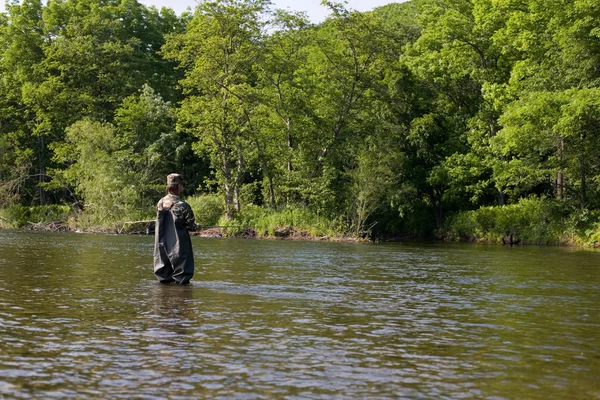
456, 119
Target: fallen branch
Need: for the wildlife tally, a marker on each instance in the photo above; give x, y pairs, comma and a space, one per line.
138, 222
48, 226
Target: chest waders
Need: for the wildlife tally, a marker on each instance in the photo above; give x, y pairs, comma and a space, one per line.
173, 255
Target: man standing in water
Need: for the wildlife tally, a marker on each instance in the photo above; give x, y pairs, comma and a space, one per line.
173, 255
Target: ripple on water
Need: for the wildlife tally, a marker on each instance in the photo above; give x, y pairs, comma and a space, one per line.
295, 321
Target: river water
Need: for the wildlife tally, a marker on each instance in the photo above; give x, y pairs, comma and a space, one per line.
81, 316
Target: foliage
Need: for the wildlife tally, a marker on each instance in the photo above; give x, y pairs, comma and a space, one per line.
531, 220
66, 61
290, 221
17, 216
217, 52
208, 209
469, 118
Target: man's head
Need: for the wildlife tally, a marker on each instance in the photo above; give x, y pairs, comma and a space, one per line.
174, 183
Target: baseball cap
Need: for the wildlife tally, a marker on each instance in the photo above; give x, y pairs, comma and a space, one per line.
174, 179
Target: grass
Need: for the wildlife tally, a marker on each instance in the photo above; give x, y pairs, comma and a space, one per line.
296, 222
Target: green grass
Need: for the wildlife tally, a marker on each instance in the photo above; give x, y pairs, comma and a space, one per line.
286, 222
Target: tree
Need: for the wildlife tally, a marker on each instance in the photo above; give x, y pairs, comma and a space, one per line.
21, 52
343, 63
548, 135
217, 53
69, 60
558, 54
148, 146
99, 181
281, 112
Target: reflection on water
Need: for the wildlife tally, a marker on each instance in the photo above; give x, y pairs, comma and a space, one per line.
83, 317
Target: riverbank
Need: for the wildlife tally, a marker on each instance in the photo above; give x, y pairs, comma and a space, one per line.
530, 222
293, 223
292, 233
147, 228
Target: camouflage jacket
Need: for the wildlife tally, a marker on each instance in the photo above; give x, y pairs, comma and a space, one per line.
182, 212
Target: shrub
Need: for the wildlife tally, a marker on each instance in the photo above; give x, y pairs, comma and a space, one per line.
17, 216
208, 208
531, 220
287, 221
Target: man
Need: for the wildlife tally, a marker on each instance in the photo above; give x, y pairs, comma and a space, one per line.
173, 255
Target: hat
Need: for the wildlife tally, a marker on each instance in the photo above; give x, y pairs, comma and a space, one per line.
174, 179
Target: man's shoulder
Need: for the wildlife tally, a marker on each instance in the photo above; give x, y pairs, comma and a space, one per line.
168, 201
175, 201
182, 203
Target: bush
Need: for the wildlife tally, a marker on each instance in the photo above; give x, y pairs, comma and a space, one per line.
208, 208
288, 221
17, 216
592, 235
532, 220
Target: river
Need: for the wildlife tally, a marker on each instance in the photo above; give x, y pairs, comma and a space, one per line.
81, 316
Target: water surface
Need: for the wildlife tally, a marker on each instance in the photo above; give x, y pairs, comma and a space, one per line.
81, 316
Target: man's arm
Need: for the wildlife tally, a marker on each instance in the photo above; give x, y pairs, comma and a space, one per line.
188, 217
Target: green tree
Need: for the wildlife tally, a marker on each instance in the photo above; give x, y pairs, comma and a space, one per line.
550, 139
282, 109
129, 160
69, 60
148, 146
21, 52
444, 70
556, 43
217, 53
99, 181
343, 64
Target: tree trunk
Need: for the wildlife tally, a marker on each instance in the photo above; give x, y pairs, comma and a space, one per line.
290, 143
271, 191
437, 209
560, 176
560, 185
501, 198
267, 172
227, 186
238, 179
42, 170
236, 197
583, 190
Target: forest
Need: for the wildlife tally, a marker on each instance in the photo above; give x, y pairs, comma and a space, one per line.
469, 120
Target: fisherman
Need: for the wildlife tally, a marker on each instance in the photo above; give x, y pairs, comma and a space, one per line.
173, 255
